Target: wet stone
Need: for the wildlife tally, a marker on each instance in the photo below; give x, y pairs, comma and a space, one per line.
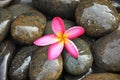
6, 54
68, 24
62, 8
5, 19
28, 27
43, 69
3, 3
19, 9
98, 17
106, 52
19, 69
83, 63
103, 76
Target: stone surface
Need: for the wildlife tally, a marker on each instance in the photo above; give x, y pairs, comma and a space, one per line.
106, 51
83, 63
103, 76
7, 49
98, 17
62, 8
116, 4
3, 3
5, 19
19, 9
28, 27
43, 69
48, 28
19, 69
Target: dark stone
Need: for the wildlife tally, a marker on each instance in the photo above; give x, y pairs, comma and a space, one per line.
19, 9
28, 27
43, 69
48, 28
6, 54
83, 63
98, 17
106, 51
62, 8
116, 4
5, 19
103, 76
20, 64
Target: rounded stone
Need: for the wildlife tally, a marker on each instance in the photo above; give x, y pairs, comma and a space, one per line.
5, 19
62, 8
84, 61
7, 49
98, 17
43, 69
106, 52
103, 76
28, 27
19, 9
3, 3
19, 69
48, 28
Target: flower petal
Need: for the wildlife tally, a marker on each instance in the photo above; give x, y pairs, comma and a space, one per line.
55, 50
74, 32
58, 26
71, 48
46, 40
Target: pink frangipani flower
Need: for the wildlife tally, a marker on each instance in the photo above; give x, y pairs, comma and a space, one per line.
60, 38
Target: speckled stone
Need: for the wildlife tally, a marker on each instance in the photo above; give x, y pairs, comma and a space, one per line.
43, 69
20, 64
62, 8
7, 49
103, 76
106, 52
83, 63
28, 27
5, 19
3, 3
98, 17
19, 9
68, 24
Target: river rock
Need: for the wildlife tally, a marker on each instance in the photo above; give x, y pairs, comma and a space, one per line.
62, 8
106, 52
83, 63
19, 9
20, 64
43, 69
3, 3
48, 28
116, 4
98, 17
28, 27
5, 19
103, 76
7, 49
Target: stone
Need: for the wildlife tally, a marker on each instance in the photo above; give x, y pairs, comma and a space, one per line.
98, 17
116, 4
7, 49
19, 69
5, 20
28, 27
62, 8
106, 52
83, 63
19, 9
68, 24
43, 69
103, 76
3, 3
